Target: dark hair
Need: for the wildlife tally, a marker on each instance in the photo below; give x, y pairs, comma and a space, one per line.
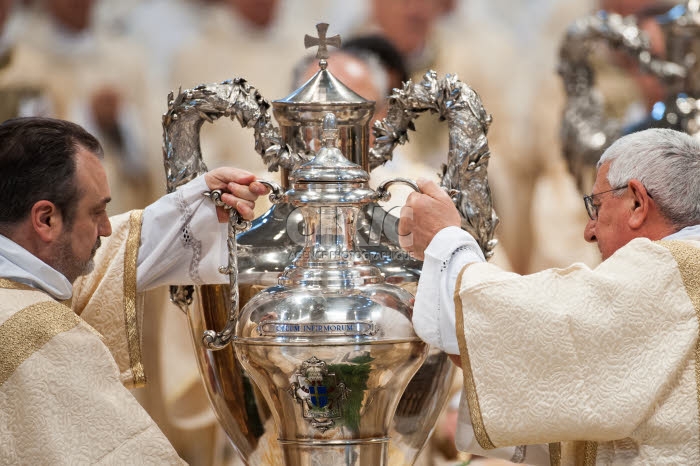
37, 162
379, 46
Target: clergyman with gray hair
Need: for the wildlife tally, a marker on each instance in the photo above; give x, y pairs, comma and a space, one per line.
591, 366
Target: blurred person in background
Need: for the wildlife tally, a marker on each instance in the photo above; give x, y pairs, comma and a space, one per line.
409, 25
99, 81
239, 38
23, 90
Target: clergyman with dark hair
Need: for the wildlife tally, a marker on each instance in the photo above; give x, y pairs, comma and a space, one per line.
70, 283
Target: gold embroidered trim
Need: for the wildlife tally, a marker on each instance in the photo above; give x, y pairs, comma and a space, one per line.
11, 285
555, 454
590, 453
30, 329
688, 259
469, 385
133, 242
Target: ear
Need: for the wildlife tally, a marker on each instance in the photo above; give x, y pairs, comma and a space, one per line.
642, 204
46, 220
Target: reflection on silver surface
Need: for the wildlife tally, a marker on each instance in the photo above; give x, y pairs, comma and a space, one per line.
242, 398
586, 130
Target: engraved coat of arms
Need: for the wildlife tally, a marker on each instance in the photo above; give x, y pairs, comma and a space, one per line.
319, 392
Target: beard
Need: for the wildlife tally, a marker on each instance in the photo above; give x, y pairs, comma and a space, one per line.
68, 265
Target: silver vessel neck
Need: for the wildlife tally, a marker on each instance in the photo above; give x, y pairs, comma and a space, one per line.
330, 191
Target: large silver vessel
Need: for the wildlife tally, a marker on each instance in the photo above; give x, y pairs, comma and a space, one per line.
268, 418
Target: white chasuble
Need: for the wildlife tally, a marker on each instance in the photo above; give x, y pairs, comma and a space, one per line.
62, 398
602, 364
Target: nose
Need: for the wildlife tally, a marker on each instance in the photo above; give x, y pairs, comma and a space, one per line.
105, 227
589, 232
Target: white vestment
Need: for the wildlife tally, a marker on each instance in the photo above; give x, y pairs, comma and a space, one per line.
63, 373
598, 363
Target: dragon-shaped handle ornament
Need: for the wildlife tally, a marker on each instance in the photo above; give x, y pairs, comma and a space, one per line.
586, 131
465, 174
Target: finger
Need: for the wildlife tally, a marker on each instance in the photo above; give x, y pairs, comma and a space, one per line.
431, 189
259, 188
242, 191
245, 210
406, 243
237, 202
405, 228
237, 175
412, 199
222, 214
220, 177
405, 221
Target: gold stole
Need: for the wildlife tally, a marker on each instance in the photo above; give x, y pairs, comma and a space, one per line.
131, 252
688, 259
29, 329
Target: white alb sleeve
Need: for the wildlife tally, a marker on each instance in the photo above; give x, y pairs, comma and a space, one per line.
433, 312
182, 241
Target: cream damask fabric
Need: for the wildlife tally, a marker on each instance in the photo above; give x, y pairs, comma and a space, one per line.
61, 399
604, 355
106, 298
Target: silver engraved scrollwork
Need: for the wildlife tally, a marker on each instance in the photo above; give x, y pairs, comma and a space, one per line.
465, 173
234, 99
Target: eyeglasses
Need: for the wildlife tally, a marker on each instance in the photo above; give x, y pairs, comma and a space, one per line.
591, 208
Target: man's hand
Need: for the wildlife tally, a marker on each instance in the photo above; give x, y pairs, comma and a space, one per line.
239, 190
424, 215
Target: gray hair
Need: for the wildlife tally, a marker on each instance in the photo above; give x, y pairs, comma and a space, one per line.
667, 163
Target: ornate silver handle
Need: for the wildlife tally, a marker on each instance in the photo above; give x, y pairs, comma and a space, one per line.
382, 192
235, 99
217, 340
182, 122
464, 176
276, 194
586, 130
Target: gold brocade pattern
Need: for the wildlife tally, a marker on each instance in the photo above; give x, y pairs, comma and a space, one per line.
555, 454
591, 454
469, 385
30, 329
586, 453
688, 259
132, 331
10, 285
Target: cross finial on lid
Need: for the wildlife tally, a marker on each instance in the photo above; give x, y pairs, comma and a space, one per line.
322, 42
